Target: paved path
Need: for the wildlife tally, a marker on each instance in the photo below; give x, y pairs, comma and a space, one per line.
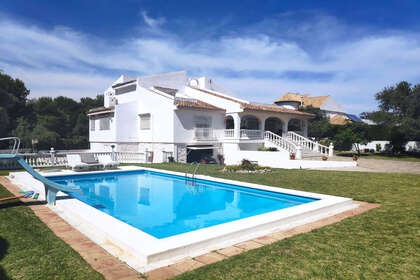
380, 165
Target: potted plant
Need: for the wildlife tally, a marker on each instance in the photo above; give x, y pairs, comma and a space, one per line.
292, 156
324, 158
355, 157
221, 159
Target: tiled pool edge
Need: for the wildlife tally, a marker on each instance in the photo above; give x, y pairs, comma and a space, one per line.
97, 257
100, 260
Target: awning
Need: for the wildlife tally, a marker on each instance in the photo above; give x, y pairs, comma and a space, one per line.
203, 147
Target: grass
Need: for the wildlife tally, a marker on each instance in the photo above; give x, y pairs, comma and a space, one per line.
383, 243
29, 250
413, 157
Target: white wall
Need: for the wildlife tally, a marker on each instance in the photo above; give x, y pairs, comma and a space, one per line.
184, 124
223, 103
280, 160
410, 146
126, 122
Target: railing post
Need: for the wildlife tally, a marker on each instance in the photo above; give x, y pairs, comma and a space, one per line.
299, 152
331, 150
113, 152
52, 153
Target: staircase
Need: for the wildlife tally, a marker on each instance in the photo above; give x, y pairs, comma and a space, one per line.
295, 143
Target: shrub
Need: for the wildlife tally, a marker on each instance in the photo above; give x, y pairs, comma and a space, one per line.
325, 142
378, 147
270, 149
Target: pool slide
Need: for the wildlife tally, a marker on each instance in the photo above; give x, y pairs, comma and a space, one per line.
51, 188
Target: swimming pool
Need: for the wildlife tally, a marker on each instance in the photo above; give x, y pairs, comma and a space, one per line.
165, 205
150, 218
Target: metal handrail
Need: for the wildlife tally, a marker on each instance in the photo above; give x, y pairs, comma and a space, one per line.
16, 144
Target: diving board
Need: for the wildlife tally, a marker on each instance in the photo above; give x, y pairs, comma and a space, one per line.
51, 188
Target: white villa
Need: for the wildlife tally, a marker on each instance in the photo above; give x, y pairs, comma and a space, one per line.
173, 115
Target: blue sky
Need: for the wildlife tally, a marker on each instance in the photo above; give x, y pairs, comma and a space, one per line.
256, 49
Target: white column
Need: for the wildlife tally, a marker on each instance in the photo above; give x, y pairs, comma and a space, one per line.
331, 150
262, 128
237, 128
285, 127
305, 128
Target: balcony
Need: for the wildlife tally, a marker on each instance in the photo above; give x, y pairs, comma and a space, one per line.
245, 134
203, 133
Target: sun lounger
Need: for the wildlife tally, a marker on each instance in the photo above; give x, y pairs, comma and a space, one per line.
107, 161
76, 163
91, 161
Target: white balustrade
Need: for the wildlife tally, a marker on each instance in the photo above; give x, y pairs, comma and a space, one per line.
229, 133
37, 160
308, 144
251, 133
281, 142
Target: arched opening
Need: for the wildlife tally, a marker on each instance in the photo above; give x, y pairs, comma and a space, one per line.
274, 125
250, 122
295, 125
229, 122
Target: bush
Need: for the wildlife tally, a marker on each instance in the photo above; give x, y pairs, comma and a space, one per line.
325, 142
270, 149
378, 147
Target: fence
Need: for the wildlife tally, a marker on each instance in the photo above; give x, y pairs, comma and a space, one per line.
59, 159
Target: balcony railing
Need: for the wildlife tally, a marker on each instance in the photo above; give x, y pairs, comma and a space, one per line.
203, 133
245, 133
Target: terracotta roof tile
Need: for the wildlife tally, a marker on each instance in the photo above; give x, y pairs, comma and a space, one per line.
196, 104
276, 109
316, 101
339, 120
101, 109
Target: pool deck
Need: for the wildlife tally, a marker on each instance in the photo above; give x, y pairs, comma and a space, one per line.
112, 268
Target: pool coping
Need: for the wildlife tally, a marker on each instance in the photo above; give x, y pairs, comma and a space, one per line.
144, 252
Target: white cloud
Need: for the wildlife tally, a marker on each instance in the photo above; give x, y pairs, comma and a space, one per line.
152, 22
259, 67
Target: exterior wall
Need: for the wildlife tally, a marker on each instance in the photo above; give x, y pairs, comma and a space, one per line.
229, 106
102, 135
410, 146
161, 110
126, 122
281, 160
184, 125
158, 150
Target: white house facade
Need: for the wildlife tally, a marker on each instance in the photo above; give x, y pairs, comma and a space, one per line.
172, 115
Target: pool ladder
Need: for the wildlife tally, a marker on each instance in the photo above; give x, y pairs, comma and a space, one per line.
192, 178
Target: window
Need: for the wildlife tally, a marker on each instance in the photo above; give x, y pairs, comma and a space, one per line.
202, 121
126, 89
144, 121
104, 123
92, 125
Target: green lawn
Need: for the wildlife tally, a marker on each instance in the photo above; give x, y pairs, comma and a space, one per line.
383, 243
29, 250
414, 157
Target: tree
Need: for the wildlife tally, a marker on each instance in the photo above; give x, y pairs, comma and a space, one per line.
318, 127
352, 134
399, 112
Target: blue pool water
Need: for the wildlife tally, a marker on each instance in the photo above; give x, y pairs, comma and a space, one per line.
164, 205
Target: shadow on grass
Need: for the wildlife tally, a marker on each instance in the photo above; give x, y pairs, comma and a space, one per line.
4, 245
16, 203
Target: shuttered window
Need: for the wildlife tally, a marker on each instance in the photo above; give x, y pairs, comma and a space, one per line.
145, 121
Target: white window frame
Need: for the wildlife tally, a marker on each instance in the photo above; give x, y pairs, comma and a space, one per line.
101, 124
92, 124
143, 124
